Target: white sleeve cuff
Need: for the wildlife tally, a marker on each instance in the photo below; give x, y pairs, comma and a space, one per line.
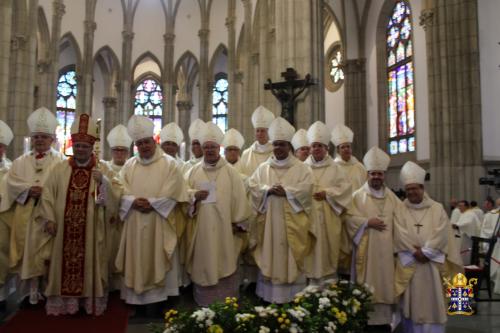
263, 205
406, 258
102, 196
293, 202
359, 233
23, 197
163, 206
338, 209
434, 255
125, 206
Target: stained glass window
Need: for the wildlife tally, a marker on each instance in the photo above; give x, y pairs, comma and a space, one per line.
337, 71
334, 67
219, 102
149, 102
65, 109
401, 97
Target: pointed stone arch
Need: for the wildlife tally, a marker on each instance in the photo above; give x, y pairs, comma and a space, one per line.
43, 36
186, 71
145, 56
68, 42
221, 50
107, 61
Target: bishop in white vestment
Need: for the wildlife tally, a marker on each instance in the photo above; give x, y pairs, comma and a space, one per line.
330, 198
218, 205
426, 250
281, 191
153, 190
261, 149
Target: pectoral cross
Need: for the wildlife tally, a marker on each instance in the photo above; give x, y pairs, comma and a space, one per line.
418, 225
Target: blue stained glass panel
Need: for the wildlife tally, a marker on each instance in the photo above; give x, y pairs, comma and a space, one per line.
393, 147
403, 146
411, 144
149, 102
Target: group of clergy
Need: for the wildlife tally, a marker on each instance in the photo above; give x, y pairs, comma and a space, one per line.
284, 215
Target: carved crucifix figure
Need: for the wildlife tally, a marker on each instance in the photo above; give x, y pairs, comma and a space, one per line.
287, 92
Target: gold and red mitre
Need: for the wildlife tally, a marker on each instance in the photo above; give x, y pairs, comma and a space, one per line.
84, 129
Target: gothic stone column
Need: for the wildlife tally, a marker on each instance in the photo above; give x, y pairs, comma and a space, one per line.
355, 103
5, 38
203, 75
454, 99
125, 90
169, 80
184, 108
110, 120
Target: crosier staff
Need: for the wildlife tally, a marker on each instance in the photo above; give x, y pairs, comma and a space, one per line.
97, 151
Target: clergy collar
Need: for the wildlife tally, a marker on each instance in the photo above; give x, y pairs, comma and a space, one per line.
156, 156
265, 148
425, 203
281, 164
318, 164
220, 163
379, 194
353, 160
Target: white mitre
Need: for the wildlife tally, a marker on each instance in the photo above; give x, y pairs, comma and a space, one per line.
376, 159
171, 132
318, 132
412, 173
195, 129
342, 134
140, 127
211, 133
281, 130
42, 121
233, 138
300, 139
6, 134
262, 117
118, 137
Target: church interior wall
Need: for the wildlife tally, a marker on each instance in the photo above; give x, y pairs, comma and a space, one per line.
218, 30
489, 30
149, 28
187, 25
75, 13
109, 18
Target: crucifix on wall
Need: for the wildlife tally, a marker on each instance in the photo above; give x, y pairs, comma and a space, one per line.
287, 91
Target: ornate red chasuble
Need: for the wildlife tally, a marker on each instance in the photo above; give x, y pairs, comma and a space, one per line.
75, 221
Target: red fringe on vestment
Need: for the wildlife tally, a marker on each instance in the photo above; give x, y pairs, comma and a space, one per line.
75, 221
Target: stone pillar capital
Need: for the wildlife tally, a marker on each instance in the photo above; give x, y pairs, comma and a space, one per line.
109, 102
89, 25
18, 42
354, 65
59, 9
43, 66
127, 35
255, 58
238, 77
426, 18
169, 37
185, 105
230, 20
203, 33
247, 3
